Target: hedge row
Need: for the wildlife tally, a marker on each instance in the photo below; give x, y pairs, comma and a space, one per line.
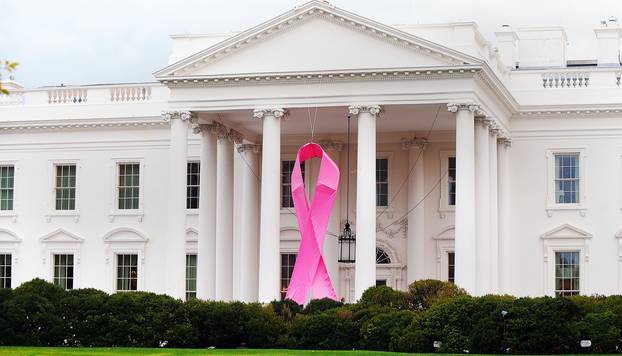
430, 314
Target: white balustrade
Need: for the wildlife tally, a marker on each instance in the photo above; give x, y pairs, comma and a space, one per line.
13, 98
67, 96
129, 94
566, 80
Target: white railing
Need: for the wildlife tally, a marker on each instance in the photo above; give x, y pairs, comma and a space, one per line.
67, 96
566, 80
129, 94
13, 98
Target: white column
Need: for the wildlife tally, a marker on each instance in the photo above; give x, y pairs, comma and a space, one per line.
176, 239
416, 217
365, 265
465, 196
206, 256
503, 187
224, 215
482, 206
494, 211
246, 227
270, 213
331, 243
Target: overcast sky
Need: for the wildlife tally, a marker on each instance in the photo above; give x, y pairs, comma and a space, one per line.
107, 41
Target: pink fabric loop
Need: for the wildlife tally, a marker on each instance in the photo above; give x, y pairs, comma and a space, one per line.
310, 271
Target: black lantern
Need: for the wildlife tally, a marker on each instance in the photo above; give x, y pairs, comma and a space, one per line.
347, 240
347, 245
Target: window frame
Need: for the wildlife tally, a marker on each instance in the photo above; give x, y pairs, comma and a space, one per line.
114, 210
56, 187
138, 270
52, 212
565, 238
186, 279
554, 263
389, 157
188, 210
444, 206
53, 265
551, 202
291, 157
13, 211
12, 266
281, 253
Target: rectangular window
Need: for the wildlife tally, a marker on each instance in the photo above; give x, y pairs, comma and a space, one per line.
65, 187
191, 276
451, 181
5, 271
193, 177
127, 272
382, 182
63, 271
129, 186
287, 167
287, 268
7, 186
381, 282
567, 178
451, 267
567, 273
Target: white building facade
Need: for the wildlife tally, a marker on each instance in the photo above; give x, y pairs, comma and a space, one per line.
495, 165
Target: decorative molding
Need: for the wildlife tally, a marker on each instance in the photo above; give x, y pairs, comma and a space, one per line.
167, 116
506, 141
250, 147
415, 142
77, 124
455, 107
365, 108
67, 237
205, 129
131, 235
235, 136
9, 236
328, 76
566, 231
568, 113
274, 112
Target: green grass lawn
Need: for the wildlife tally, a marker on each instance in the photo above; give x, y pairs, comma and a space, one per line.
61, 351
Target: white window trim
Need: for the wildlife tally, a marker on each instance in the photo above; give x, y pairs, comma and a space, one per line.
114, 210
551, 205
115, 245
12, 213
292, 157
443, 206
445, 243
388, 210
52, 212
9, 244
193, 159
69, 243
565, 238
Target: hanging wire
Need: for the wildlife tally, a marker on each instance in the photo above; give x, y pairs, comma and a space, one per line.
312, 123
411, 168
348, 176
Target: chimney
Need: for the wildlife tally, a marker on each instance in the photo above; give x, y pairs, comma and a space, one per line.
608, 43
507, 44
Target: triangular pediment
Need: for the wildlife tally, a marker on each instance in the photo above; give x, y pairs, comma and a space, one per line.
566, 231
619, 234
125, 234
61, 235
315, 37
192, 234
447, 233
8, 236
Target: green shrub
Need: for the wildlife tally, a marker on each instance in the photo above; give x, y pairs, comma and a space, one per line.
382, 332
321, 305
331, 330
424, 293
384, 296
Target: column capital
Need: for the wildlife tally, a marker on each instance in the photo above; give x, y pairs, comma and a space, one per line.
169, 115
331, 145
204, 129
506, 141
250, 147
235, 136
485, 121
370, 108
470, 106
276, 112
419, 143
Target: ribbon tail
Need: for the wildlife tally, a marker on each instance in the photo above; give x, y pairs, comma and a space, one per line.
322, 285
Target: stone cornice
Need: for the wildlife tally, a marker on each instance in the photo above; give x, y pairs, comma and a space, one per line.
263, 112
556, 113
327, 76
79, 124
300, 14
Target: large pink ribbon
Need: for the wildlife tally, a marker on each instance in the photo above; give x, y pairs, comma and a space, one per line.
310, 271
